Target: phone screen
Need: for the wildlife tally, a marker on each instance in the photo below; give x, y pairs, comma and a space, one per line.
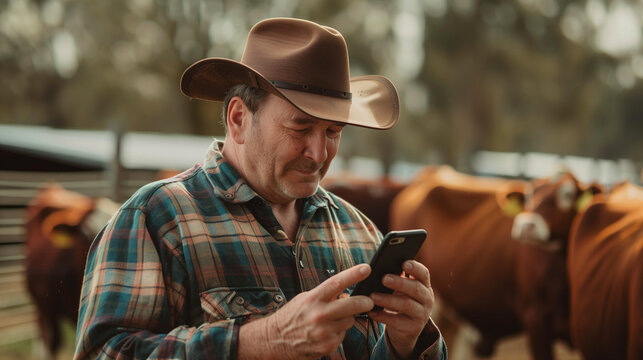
396, 248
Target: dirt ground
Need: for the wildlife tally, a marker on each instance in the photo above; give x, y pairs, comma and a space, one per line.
516, 348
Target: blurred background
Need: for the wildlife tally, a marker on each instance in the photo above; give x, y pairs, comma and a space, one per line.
559, 77
507, 88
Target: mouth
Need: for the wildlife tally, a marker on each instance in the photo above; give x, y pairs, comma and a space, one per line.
308, 169
307, 174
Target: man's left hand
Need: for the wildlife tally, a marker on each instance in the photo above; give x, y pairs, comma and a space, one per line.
406, 311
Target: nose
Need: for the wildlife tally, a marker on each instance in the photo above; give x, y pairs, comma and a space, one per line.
530, 226
316, 147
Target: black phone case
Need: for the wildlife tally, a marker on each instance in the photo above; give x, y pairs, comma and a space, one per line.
388, 259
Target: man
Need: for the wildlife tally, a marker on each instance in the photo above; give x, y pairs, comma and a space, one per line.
246, 256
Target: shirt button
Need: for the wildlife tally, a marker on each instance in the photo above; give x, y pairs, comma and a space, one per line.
281, 234
301, 264
228, 196
278, 298
239, 300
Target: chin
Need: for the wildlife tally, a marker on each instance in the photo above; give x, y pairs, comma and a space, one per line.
302, 190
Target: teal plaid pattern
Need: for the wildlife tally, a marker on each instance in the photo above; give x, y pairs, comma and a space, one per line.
187, 260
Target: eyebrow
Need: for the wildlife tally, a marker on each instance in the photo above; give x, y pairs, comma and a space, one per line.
303, 121
307, 121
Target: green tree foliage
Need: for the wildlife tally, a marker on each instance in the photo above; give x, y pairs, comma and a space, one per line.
522, 75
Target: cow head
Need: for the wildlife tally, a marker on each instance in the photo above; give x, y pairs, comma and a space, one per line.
65, 219
550, 208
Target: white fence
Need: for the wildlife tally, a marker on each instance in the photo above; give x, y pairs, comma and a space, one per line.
508, 164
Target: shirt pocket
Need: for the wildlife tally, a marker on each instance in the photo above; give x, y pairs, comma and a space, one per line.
245, 302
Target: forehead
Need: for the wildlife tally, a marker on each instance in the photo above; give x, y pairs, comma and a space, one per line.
552, 189
282, 111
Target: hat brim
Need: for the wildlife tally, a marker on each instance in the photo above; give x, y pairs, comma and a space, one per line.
374, 103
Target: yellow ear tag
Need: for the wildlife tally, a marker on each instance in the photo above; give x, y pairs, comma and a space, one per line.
512, 207
584, 200
61, 239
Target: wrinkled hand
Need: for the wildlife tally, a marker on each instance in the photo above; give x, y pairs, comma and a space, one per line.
406, 311
313, 323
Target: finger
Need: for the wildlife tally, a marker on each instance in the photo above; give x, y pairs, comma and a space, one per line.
400, 304
408, 286
349, 307
332, 328
331, 288
418, 271
390, 319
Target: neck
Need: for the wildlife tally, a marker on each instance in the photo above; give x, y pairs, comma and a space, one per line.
288, 215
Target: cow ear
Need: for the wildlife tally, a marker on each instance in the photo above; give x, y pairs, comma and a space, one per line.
595, 189
514, 203
61, 238
587, 196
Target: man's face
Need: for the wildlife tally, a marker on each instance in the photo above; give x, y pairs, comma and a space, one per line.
288, 152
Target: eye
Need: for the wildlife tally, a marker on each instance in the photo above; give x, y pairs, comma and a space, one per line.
334, 132
300, 131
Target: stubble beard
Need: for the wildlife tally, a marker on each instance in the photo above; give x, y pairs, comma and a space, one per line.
306, 166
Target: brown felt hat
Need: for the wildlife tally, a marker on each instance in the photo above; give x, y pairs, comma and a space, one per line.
304, 63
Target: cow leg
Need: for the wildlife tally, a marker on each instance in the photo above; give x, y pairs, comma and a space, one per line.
459, 335
540, 336
485, 346
49, 334
49, 342
463, 343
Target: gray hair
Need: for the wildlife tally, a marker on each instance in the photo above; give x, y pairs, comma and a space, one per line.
251, 96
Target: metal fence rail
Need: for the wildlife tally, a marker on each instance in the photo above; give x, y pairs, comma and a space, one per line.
17, 188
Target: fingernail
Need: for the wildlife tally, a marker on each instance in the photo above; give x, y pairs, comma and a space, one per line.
408, 266
363, 270
388, 279
376, 297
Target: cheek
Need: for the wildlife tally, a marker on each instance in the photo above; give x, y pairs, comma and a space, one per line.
331, 149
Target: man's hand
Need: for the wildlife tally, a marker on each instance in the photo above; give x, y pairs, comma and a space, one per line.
311, 325
407, 310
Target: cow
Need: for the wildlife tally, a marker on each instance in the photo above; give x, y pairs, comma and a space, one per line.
469, 250
60, 225
605, 267
373, 197
543, 227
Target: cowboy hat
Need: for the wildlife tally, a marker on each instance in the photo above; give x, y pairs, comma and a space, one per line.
304, 63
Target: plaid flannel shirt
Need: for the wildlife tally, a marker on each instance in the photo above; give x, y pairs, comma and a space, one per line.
186, 261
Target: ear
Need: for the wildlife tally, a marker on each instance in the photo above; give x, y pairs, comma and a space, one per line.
587, 196
514, 203
595, 189
238, 119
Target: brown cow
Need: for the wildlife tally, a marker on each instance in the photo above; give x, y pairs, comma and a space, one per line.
469, 249
606, 276
60, 225
543, 227
372, 197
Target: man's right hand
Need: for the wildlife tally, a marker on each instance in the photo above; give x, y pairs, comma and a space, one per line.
311, 325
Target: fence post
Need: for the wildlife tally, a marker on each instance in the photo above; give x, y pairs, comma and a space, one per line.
115, 168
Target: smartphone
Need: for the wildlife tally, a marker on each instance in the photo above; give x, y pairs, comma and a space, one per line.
395, 249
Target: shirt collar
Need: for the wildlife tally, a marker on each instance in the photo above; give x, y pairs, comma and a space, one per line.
229, 185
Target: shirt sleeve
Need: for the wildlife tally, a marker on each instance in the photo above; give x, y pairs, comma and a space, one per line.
133, 302
430, 346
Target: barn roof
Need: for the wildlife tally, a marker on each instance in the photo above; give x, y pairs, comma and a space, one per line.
95, 148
